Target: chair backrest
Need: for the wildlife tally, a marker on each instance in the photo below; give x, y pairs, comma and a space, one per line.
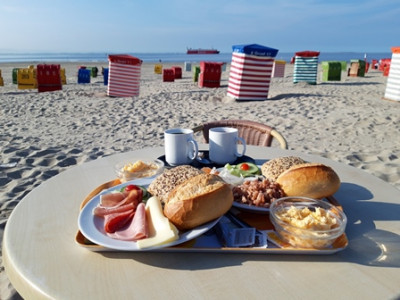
354, 69
253, 133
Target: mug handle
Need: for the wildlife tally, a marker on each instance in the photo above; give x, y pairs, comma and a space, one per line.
244, 147
194, 149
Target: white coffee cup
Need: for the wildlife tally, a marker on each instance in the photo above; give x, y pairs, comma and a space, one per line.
224, 145
180, 147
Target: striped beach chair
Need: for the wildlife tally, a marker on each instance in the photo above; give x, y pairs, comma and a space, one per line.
392, 91
123, 75
306, 67
250, 72
278, 70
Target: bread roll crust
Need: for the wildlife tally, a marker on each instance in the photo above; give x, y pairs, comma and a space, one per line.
312, 180
197, 201
165, 183
273, 168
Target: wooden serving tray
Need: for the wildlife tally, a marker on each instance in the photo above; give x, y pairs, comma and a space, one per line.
209, 241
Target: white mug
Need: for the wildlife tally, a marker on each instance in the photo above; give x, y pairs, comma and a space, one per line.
180, 147
223, 145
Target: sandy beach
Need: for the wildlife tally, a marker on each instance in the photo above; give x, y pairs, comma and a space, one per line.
46, 133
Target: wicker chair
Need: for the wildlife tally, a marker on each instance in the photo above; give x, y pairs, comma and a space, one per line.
253, 133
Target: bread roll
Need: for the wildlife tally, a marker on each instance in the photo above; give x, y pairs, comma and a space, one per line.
169, 179
312, 180
275, 167
198, 200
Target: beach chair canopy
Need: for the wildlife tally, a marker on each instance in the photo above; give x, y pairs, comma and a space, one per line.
124, 59
307, 53
395, 50
255, 49
253, 133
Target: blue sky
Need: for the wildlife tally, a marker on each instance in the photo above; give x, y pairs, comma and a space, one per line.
172, 26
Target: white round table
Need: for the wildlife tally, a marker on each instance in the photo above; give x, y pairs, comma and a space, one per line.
42, 259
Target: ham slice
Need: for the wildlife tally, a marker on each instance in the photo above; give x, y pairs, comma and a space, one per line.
137, 229
113, 222
118, 210
128, 202
134, 196
101, 211
111, 199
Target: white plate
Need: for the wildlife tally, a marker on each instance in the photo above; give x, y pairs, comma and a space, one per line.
92, 227
247, 207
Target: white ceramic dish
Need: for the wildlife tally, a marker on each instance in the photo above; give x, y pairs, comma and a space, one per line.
92, 227
247, 207
125, 176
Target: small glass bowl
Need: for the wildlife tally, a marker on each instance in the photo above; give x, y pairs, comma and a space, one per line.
311, 235
157, 167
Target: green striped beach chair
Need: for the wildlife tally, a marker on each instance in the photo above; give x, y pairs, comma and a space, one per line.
306, 67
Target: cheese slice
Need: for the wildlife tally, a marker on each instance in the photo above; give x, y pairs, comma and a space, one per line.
161, 230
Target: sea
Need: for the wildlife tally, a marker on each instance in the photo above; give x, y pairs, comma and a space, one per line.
172, 57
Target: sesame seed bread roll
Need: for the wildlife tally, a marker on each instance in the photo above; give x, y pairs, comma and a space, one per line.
197, 201
312, 180
169, 179
275, 167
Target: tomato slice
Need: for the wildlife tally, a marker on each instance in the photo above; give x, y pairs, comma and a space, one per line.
131, 187
244, 167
